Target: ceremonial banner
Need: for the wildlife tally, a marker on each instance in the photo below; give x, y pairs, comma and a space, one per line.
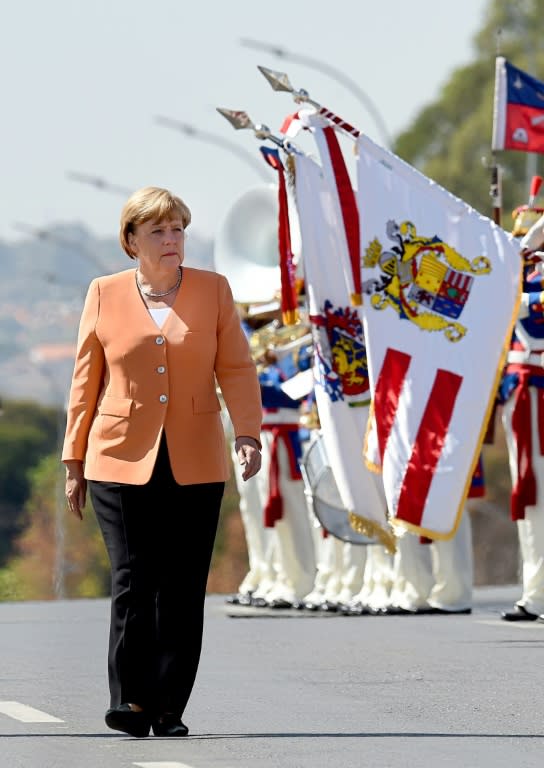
518, 114
340, 367
442, 288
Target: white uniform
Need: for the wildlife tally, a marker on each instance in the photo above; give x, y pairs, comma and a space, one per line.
260, 578
294, 559
522, 389
438, 575
419, 577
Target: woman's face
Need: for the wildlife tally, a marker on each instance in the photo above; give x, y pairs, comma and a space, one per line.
158, 245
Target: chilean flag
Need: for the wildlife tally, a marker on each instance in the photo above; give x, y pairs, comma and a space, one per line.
518, 114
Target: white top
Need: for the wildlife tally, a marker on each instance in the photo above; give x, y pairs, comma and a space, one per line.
160, 315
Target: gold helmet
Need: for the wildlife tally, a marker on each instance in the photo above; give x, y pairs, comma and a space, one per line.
526, 215
273, 341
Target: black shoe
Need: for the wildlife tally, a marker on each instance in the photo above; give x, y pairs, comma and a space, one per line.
258, 602
233, 600
123, 718
280, 604
396, 610
446, 612
240, 598
169, 725
428, 610
245, 599
519, 613
328, 607
355, 609
310, 606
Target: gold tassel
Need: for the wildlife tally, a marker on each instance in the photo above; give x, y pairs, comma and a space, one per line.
290, 168
290, 317
356, 299
373, 530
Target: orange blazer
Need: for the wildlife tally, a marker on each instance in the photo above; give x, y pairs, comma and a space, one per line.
133, 380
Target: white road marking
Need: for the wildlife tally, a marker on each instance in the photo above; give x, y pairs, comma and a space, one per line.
163, 765
25, 714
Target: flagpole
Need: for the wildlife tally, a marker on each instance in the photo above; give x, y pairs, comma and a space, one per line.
241, 121
496, 190
531, 165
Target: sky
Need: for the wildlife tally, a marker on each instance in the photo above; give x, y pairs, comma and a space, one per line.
83, 82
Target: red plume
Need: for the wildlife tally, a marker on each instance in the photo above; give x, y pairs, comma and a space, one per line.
536, 183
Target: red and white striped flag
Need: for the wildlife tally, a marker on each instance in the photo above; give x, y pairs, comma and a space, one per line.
340, 369
441, 285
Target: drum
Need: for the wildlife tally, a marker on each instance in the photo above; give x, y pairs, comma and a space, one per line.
322, 491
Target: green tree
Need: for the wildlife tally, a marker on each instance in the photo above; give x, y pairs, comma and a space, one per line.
450, 137
28, 431
84, 559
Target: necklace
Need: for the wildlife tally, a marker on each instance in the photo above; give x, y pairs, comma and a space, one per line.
160, 294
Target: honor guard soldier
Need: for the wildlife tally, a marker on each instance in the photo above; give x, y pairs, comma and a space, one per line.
522, 395
274, 512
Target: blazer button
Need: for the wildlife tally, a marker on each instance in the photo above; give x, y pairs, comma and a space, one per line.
161, 369
163, 398
159, 340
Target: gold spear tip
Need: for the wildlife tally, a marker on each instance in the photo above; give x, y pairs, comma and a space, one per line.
278, 80
237, 118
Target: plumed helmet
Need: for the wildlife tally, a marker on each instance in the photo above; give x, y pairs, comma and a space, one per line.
526, 215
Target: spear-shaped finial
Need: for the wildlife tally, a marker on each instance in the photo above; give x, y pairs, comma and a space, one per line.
278, 80
237, 118
241, 120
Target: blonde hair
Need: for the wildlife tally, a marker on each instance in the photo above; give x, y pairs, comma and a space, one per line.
150, 204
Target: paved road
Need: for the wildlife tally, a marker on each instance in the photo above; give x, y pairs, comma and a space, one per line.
287, 691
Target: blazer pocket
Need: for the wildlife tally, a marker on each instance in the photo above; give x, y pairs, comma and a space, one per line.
115, 406
206, 404
114, 415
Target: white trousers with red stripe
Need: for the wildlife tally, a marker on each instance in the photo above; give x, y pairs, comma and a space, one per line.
259, 540
285, 553
531, 529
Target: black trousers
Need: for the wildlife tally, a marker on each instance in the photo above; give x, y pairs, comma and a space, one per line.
159, 538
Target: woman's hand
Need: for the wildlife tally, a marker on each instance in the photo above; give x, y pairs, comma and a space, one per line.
249, 455
76, 487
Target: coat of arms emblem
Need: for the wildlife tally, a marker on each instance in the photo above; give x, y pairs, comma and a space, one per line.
423, 278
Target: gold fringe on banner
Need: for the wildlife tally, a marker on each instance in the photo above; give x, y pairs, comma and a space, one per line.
373, 530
